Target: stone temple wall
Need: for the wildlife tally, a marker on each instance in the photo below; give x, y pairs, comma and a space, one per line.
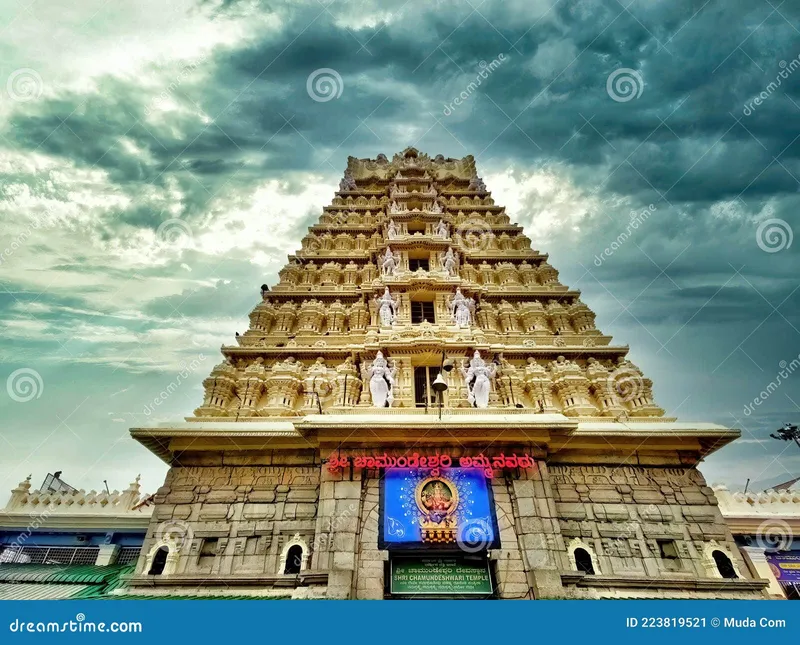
223, 521
640, 525
641, 522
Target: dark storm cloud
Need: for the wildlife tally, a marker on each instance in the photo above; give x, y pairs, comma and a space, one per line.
686, 145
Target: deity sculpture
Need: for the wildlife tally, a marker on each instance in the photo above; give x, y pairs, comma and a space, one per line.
381, 382
394, 207
442, 230
476, 183
392, 230
479, 380
436, 208
449, 261
387, 308
462, 309
390, 263
347, 183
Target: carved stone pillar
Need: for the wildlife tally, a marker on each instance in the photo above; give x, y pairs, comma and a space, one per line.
219, 388
286, 317
262, 317
507, 317
582, 317
358, 317
603, 388
527, 274
533, 317
559, 318
283, 385
547, 274
350, 274
572, 387
312, 313
250, 387
336, 317
329, 274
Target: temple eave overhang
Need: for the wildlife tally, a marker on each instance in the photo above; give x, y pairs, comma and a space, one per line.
554, 435
73, 521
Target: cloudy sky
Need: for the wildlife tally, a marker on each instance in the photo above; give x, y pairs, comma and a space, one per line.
158, 161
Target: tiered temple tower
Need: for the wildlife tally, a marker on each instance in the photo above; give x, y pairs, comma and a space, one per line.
417, 322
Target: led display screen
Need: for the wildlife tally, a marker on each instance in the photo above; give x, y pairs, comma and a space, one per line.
445, 508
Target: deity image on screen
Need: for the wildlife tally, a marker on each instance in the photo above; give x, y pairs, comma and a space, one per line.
437, 507
437, 499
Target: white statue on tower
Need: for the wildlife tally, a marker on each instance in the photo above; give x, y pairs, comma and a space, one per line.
436, 208
392, 230
442, 230
387, 308
394, 208
479, 380
381, 382
449, 262
390, 263
461, 309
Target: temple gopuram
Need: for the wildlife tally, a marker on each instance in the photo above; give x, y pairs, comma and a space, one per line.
420, 409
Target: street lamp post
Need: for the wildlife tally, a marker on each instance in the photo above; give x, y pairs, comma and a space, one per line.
788, 432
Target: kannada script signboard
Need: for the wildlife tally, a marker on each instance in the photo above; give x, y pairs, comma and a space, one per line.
440, 576
785, 566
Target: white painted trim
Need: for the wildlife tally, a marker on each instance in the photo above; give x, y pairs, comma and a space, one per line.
295, 541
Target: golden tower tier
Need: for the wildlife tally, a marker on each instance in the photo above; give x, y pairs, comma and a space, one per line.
416, 345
